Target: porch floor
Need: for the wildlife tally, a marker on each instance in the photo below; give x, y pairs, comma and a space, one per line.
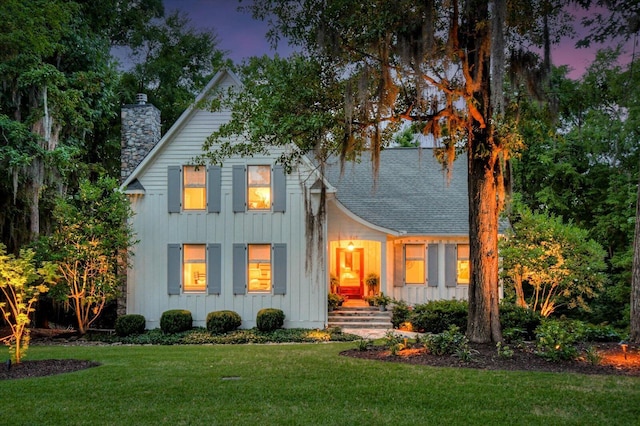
354, 303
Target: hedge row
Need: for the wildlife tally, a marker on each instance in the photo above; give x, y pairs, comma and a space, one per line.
218, 322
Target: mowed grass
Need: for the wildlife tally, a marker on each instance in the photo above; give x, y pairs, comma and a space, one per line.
301, 384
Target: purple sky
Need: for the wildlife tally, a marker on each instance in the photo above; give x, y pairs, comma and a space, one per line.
242, 36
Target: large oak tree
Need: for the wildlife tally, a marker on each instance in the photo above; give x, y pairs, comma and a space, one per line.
438, 64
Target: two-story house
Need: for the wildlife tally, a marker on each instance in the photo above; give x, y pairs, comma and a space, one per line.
245, 236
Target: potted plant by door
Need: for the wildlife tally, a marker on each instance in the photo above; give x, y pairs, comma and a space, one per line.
334, 283
334, 300
372, 280
381, 301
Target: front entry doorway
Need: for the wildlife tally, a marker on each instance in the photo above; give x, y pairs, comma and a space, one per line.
349, 272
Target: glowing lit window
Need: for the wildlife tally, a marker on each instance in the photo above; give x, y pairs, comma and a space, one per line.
259, 187
463, 264
414, 263
194, 188
194, 267
259, 268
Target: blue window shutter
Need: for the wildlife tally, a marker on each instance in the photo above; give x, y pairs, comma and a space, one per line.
279, 189
174, 267
279, 269
398, 265
214, 268
214, 189
239, 182
433, 265
174, 192
450, 265
239, 269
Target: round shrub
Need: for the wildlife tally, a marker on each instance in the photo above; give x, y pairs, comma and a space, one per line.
400, 313
175, 321
127, 325
269, 319
438, 315
518, 321
219, 322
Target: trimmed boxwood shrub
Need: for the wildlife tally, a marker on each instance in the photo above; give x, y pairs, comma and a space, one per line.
127, 325
438, 315
400, 313
269, 319
219, 322
176, 320
519, 322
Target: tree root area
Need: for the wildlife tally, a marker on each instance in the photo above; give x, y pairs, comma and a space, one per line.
612, 359
45, 367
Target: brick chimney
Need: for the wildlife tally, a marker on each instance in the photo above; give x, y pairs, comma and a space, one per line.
140, 133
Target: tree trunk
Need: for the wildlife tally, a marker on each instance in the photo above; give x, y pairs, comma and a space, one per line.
484, 322
634, 332
485, 185
517, 285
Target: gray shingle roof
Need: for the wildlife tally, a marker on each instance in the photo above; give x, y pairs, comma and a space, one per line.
411, 193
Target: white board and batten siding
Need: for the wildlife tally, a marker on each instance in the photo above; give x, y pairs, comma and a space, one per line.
440, 258
303, 301
440, 271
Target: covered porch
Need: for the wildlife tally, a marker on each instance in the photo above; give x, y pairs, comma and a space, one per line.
356, 268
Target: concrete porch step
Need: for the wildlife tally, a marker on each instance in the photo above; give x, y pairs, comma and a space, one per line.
360, 317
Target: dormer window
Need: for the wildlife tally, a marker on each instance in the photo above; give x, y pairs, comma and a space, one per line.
194, 188
259, 187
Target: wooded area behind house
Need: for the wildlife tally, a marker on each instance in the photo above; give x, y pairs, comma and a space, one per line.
568, 149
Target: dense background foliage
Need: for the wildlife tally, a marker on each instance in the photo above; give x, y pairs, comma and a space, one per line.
62, 86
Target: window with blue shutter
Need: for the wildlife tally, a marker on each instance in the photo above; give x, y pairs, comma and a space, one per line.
174, 266
214, 268
398, 266
214, 188
279, 189
450, 265
433, 268
279, 269
239, 183
174, 189
239, 260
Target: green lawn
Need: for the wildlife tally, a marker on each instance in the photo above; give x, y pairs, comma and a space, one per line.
300, 384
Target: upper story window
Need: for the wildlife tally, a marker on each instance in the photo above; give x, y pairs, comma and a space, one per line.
259, 187
194, 268
194, 188
463, 264
414, 263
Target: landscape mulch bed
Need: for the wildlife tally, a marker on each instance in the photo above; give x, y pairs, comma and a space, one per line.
613, 362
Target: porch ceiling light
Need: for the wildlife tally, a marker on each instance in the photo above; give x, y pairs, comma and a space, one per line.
350, 246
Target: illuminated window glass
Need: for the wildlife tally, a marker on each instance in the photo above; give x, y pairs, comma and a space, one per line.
259, 268
194, 188
259, 187
194, 267
463, 264
414, 263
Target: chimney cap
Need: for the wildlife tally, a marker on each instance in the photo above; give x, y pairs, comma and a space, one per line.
141, 98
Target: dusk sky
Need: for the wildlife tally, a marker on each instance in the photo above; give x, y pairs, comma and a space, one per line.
243, 37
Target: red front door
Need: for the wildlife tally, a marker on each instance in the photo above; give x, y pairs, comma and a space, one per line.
350, 264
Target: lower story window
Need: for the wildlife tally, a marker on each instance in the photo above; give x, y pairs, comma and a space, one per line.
259, 268
414, 263
194, 268
463, 264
